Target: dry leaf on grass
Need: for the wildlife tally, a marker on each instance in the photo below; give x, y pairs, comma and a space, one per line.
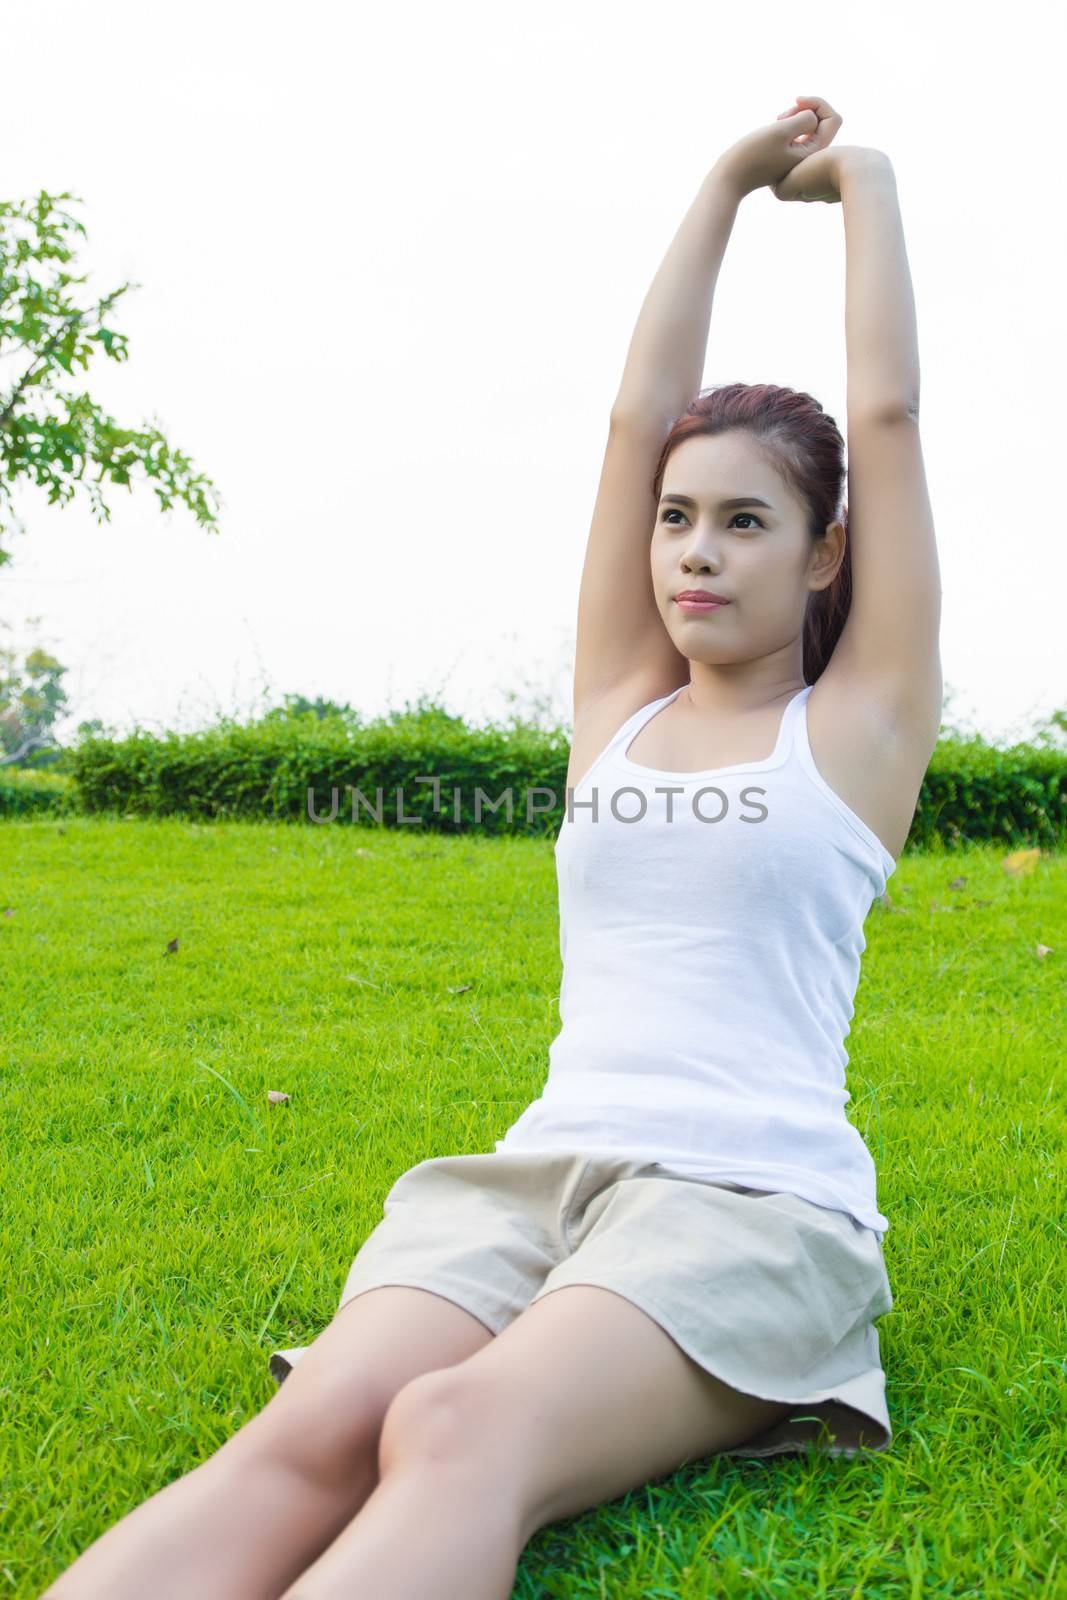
461, 988
276, 1097
1021, 862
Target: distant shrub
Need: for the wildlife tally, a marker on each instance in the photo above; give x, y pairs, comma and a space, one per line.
318, 757
266, 769
35, 789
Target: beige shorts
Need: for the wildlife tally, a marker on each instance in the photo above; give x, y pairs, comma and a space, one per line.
772, 1294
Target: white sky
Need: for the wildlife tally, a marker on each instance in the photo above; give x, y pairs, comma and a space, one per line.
391, 261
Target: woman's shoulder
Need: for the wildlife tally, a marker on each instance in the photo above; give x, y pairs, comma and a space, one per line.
872, 761
601, 716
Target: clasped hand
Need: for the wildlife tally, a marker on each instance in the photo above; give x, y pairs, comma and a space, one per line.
792, 155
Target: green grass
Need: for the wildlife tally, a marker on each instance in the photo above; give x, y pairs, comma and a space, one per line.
165, 1226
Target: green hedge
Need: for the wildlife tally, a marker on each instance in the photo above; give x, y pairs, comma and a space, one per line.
971, 791
975, 791
264, 771
28, 789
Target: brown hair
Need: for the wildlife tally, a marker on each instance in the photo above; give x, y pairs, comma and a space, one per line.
805, 445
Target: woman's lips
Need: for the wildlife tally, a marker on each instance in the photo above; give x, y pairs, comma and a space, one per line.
695, 602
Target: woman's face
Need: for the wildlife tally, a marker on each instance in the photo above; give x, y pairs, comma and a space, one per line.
760, 557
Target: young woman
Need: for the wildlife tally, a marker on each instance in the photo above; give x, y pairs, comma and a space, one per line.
757, 694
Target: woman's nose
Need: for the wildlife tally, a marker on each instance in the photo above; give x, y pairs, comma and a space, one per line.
701, 555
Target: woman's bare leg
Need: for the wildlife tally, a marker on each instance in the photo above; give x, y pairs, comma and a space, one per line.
583, 1398
240, 1526
424, 1531
246, 1522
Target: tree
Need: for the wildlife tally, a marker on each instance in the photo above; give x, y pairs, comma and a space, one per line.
55, 447
298, 705
32, 697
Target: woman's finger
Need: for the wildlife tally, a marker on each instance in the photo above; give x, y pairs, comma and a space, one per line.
813, 102
829, 119
803, 140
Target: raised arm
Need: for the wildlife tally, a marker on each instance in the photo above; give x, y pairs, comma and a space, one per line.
889, 647
621, 635
881, 341
665, 363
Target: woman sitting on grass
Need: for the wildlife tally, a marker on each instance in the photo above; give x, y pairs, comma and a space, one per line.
757, 694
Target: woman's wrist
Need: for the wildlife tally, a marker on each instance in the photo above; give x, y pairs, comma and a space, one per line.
723, 178
853, 163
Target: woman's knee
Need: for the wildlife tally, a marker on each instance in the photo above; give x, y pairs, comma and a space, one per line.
322, 1424
327, 1415
445, 1415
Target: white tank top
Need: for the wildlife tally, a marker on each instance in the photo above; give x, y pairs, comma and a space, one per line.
711, 928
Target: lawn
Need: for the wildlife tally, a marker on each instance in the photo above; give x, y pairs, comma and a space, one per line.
166, 1225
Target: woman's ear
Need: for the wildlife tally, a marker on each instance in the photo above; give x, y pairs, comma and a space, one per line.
829, 554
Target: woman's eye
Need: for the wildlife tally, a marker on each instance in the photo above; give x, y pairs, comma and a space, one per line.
747, 514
